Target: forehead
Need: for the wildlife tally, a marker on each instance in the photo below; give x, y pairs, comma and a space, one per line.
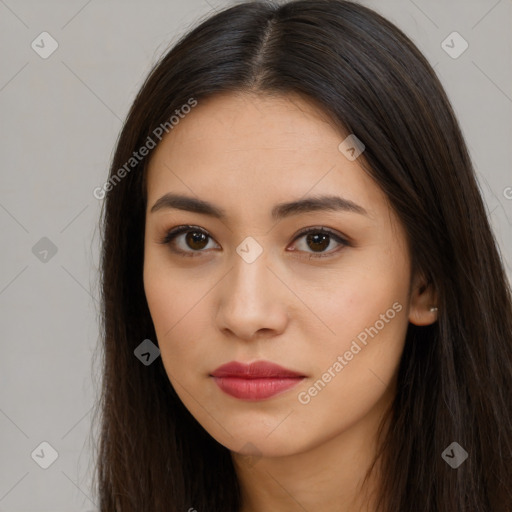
238, 120
256, 147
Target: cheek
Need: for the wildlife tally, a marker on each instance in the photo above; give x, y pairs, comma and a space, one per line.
179, 313
368, 315
165, 310
367, 346
355, 299
170, 298
354, 380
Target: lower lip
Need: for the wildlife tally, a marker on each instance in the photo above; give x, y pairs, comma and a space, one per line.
255, 389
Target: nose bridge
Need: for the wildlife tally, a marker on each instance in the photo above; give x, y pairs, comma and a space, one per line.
248, 280
251, 299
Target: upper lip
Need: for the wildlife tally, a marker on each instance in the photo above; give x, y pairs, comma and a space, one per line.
256, 370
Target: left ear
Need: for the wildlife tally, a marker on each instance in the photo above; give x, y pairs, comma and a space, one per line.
423, 298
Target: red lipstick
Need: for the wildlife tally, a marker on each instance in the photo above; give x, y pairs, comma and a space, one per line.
255, 381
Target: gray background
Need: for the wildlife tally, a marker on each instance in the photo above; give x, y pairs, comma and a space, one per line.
60, 120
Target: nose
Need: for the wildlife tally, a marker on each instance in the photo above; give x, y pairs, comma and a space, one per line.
253, 301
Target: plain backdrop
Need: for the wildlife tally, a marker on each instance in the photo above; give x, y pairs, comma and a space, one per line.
60, 118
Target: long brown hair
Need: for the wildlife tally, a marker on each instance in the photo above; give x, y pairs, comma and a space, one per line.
455, 376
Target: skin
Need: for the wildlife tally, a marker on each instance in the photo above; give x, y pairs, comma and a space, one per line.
245, 153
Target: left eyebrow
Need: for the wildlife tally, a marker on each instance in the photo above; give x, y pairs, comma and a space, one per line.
279, 211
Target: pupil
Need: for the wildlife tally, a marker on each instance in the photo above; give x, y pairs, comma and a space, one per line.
194, 237
316, 238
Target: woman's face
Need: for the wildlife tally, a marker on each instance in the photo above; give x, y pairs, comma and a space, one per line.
249, 285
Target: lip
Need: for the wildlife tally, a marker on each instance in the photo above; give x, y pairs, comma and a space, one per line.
255, 381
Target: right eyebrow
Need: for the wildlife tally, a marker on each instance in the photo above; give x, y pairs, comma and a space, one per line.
279, 211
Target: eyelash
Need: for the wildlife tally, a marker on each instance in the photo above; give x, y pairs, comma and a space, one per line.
179, 230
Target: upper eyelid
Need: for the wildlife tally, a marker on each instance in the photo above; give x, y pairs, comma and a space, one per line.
187, 227
321, 229
173, 233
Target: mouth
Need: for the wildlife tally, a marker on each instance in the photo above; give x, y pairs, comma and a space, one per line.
255, 381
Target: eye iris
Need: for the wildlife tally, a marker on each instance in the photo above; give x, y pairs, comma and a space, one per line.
316, 238
316, 241
196, 237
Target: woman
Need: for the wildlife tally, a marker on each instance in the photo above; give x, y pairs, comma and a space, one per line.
293, 220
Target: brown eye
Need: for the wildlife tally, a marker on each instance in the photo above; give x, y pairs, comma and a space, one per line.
196, 240
192, 244
317, 240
